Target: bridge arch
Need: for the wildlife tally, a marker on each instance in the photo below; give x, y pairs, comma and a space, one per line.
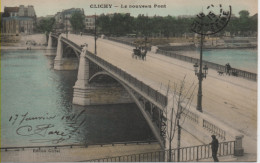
70, 52
110, 75
141, 102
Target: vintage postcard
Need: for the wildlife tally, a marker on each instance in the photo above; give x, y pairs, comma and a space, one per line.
129, 80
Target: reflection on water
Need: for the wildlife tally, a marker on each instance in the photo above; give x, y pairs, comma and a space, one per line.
37, 107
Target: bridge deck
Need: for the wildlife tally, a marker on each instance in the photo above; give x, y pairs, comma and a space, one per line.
230, 99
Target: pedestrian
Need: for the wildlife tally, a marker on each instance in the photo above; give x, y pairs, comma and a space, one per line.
214, 147
228, 68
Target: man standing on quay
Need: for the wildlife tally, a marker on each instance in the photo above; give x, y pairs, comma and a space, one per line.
214, 147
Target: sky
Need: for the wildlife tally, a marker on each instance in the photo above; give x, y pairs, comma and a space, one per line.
173, 7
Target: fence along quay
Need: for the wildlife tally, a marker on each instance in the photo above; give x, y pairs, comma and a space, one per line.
193, 153
6, 149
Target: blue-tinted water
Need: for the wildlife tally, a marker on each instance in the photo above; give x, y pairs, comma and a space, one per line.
244, 59
36, 107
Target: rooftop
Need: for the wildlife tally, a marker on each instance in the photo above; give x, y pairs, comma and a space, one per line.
11, 9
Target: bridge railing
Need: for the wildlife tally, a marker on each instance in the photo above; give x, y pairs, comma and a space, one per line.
241, 73
55, 35
197, 122
218, 67
121, 41
152, 93
193, 153
76, 46
77, 145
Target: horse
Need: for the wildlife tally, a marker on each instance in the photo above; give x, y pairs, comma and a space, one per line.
143, 55
136, 53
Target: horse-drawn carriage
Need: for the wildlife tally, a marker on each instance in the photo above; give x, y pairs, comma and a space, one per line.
140, 49
139, 53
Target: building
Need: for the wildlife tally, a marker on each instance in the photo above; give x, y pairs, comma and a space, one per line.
18, 20
16, 25
63, 19
90, 23
26, 11
11, 11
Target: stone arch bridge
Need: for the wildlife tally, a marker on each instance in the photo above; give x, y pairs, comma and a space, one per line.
100, 82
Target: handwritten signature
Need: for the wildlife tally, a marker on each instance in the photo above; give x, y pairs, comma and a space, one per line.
47, 130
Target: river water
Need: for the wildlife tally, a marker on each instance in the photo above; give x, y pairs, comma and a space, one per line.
243, 59
37, 109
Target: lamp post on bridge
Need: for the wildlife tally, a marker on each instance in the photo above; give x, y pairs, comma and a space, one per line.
200, 75
66, 19
205, 25
66, 28
95, 34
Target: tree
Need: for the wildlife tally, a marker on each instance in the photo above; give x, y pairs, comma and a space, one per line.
77, 21
46, 25
243, 14
104, 24
182, 98
244, 21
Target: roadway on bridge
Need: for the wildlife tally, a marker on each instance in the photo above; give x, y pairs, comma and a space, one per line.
230, 99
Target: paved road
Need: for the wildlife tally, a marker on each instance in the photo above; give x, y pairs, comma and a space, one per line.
230, 99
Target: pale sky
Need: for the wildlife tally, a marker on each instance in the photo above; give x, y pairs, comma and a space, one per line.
173, 7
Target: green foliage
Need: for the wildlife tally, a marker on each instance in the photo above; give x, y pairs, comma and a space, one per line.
118, 24
122, 24
46, 25
77, 21
244, 14
244, 25
103, 22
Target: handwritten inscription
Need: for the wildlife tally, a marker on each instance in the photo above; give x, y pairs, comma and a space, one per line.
47, 132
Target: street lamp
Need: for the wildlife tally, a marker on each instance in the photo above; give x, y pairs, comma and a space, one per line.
205, 70
66, 19
95, 34
206, 25
200, 76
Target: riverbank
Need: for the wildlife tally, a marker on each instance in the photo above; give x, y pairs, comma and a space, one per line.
26, 42
75, 154
91, 152
23, 47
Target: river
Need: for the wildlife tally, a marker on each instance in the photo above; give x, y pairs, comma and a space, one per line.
243, 59
37, 109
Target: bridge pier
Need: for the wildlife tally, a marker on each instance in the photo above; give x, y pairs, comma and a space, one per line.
61, 63
239, 150
100, 95
96, 94
50, 42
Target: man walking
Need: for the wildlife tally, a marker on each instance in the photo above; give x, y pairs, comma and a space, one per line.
214, 147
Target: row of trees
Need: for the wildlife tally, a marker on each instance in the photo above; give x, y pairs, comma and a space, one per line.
122, 24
